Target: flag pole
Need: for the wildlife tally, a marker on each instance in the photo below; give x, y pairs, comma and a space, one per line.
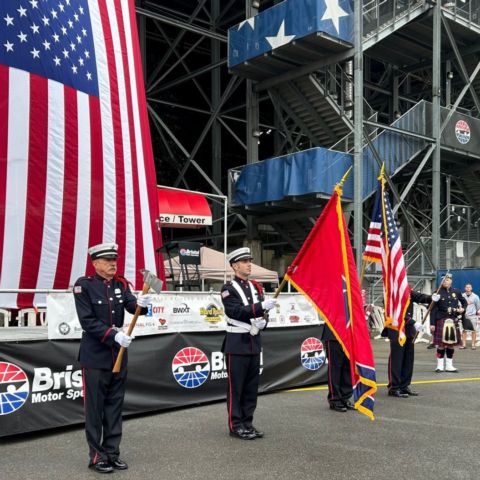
362, 274
432, 303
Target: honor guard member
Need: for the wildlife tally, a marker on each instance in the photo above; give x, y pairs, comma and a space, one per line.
339, 378
101, 301
444, 324
245, 306
400, 362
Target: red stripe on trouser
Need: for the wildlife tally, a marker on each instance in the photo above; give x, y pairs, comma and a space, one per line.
330, 384
230, 406
116, 128
4, 91
36, 187
96, 178
390, 369
70, 188
84, 390
138, 229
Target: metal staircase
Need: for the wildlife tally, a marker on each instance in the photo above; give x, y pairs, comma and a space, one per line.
381, 18
318, 103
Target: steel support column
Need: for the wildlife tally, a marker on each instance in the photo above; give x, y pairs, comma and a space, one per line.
436, 160
216, 126
358, 133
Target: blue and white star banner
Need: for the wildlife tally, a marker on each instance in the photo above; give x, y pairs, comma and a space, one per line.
288, 21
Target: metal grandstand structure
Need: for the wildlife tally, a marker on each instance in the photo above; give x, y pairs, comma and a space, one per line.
210, 122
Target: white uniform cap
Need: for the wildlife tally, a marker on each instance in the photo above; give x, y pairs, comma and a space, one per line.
239, 254
103, 250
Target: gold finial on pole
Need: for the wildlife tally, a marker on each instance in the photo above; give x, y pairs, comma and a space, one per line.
339, 186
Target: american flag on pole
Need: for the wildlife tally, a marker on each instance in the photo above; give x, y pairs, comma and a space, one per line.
76, 164
383, 244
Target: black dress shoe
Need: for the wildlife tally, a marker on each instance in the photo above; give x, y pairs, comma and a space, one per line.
409, 392
349, 406
101, 466
397, 393
430, 346
243, 434
338, 407
257, 433
118, 464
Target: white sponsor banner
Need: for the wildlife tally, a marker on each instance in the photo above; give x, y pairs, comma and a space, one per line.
172, 312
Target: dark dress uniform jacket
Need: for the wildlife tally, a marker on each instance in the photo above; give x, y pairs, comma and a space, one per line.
444, 308
242, 343
101, 306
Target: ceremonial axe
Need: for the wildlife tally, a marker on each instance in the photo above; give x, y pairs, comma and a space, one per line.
150, 281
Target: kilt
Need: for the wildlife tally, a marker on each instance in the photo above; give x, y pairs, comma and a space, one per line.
469, 323
438, 334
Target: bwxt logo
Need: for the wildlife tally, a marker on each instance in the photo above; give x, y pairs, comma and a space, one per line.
181, 309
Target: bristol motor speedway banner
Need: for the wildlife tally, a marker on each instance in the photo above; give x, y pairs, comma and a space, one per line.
41, 382
178, 312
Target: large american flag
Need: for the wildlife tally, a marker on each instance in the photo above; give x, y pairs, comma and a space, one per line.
383, 244
76, 164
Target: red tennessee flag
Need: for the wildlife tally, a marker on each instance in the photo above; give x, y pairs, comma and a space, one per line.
338, 298
76, 163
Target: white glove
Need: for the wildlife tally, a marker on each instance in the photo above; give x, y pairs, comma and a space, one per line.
418, 326
268, 304
260, 323
144, 300
257, 325
435, 297
123, 340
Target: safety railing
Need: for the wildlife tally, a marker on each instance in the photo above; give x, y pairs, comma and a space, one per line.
378, 14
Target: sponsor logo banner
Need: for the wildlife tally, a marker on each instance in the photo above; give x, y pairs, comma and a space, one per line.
41, 384
178, 312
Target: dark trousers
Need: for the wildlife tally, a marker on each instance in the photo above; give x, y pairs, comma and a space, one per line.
243, 379
400, 363
103, 392
339, 379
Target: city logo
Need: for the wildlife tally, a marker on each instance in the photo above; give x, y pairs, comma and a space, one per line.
312, 353
14, 388
190, 367
212, 314
462, 132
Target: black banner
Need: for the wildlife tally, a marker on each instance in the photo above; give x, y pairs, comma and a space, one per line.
41, 381
462, 132
189, 253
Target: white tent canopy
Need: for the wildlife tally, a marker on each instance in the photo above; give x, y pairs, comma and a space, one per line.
212, 267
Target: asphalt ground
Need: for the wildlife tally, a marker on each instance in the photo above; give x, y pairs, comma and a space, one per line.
433, 436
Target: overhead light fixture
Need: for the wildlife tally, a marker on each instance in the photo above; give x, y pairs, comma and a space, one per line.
256, 3
450, 75
256, 133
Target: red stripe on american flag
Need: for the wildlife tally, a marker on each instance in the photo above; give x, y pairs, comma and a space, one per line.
70, 187
96, 189
36, 187
116, 126
146, 142
3, 153
139, 252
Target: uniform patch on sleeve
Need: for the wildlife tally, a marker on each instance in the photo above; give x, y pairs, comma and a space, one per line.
225, 294
77, 289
